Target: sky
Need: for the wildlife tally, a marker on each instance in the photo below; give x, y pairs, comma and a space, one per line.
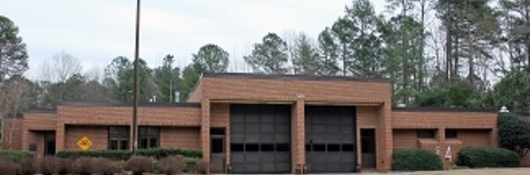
97, 31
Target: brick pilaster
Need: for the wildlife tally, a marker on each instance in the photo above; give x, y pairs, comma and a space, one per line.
384, 140
299, 134
441, 135
205, 129
494, 136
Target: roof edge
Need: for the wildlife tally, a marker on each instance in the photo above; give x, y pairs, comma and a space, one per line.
125, 104
42, 111
441, 109
293, 77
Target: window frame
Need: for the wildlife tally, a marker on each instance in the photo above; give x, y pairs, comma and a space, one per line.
148, 133
118, 134
453, 135
430, 132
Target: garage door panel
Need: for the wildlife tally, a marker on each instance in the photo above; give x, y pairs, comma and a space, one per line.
237, 157
265, 132
237, 138
330, 138
282, 138
254, 138
252, 167
252, 157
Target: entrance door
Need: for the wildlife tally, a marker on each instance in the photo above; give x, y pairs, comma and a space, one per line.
330, 139
217, 150
368, 148
49, 143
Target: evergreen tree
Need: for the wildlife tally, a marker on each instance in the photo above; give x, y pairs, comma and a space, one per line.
270, 56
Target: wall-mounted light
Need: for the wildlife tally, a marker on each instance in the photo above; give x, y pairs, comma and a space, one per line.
504, 110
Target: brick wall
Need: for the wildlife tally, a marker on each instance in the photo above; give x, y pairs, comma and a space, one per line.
255, 89
109, 115
185, 138
437, 119
97, 134
220, 113
36, 138
12, 134
405, 138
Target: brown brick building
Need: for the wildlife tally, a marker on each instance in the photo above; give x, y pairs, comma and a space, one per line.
266, 124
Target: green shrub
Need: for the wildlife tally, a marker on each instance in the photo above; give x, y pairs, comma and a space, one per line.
415, 160
111, 155
7, 167
191, 165
139, 165
157, 153
14, 156
481, 157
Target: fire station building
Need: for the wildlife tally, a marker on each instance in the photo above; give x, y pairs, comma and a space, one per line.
252, 123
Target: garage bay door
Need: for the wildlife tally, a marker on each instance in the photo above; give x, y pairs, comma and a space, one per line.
260, 138
330, 138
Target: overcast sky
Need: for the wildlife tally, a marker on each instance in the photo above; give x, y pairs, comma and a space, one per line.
96, 31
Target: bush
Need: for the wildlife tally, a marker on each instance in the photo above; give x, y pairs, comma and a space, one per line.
172, 165
157, 153
82, 166
415, 160
14, 156
481, 157
103, 166
202, 166
46, 165
514, 133
64, 166
111, 154
27, 167
7, 167
139, 164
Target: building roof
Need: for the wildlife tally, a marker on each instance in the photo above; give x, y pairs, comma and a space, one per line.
293, 77
43, 110
126, 104
441, 109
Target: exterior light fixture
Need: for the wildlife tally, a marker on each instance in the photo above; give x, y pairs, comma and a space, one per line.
504, 110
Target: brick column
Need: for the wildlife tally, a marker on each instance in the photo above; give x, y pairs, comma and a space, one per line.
384, 140
299, 133
205, 129
494, 137
60, 136
441, 135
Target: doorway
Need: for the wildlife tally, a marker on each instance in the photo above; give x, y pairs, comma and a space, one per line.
217, 150
368, 148
49, 143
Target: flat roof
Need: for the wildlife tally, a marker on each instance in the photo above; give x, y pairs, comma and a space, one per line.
126, 104
293, 77
441, 109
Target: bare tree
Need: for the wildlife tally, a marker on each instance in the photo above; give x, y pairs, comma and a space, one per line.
10, 103
61, 67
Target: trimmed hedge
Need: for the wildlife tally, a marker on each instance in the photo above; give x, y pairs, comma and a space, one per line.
157, 153
481, 157
415, 160
14, 156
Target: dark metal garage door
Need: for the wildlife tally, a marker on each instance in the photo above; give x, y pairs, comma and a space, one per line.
260, 137
330, 138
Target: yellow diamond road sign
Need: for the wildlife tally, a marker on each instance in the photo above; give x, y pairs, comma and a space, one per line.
84, 143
